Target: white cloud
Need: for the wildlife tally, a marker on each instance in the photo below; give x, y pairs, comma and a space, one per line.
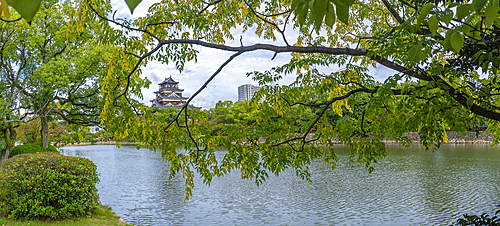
381, 72
225, 85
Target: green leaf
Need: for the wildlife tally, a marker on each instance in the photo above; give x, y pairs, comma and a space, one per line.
426, 53
463, 11
479, 4
496, 62
426, 9
491, 14
446, 41
485, 66
302, 15
342, 12
470, 101
330, 15
457, 41
295, 3
348, 2
433, 24
446, 16
497, 22
465, 29
132, 4
318, 20
415, 54
26, 8
318, 8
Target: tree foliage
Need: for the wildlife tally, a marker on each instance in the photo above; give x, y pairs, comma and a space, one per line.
52, 68
443, 54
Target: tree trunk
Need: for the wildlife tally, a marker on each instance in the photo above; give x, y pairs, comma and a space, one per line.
10, 139
45, 132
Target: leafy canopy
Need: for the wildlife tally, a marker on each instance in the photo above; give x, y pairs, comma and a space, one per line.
444, 55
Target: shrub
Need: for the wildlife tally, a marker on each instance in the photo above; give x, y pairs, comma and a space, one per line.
31, 148
48, 186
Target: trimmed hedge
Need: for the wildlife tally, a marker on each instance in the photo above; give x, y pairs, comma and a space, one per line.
31, 148
48, 186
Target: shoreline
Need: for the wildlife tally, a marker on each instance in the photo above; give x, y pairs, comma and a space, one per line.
101, 143
453, 138
450, 142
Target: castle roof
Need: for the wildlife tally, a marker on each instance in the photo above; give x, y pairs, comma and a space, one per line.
168, 80
171, 96
169, 89
159, 105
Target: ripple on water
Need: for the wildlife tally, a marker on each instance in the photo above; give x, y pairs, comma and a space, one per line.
408, 187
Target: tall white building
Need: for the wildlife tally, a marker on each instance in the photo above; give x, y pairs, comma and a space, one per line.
246, 92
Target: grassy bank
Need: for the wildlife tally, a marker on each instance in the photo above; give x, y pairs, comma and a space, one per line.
100, 216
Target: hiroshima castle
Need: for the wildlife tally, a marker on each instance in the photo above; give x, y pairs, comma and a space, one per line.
169, 95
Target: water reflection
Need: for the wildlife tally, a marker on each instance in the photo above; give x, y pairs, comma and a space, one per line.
409, 187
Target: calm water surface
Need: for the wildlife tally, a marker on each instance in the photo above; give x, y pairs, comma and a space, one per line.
409, 187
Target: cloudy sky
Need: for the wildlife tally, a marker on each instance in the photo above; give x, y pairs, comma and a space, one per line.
225, 85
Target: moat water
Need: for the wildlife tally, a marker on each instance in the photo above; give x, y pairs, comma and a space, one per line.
409, 187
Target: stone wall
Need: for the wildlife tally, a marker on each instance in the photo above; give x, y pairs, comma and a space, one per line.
102, 143
455, 138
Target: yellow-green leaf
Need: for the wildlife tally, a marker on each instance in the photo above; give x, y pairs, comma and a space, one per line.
426, 9
426, 53
5, 9
132, 4
463, 11
446, 16
26, 8
470, 101
415, 54
457, 41
433, 24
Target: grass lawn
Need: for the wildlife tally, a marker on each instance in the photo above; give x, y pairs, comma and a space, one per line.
102, 215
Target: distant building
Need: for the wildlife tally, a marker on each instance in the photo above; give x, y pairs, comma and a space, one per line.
169, 95
94, 129
246, 92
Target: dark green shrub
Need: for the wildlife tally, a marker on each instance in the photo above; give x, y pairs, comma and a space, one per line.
31, 148
483, 220
48, 186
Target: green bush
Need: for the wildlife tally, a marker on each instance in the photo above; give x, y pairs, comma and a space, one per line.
48, 186
31, 148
